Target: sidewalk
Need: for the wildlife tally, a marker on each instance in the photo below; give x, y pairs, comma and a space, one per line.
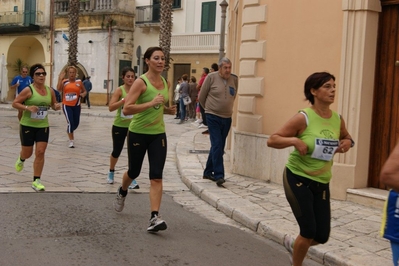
262, 206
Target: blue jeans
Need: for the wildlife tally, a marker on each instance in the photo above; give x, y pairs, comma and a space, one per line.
218, 130
87, 98
395, 253
182, 109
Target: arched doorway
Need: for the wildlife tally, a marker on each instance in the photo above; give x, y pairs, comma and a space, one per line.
29, 51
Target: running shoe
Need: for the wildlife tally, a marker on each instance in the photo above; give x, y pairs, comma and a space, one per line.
134, 185
19, 165
156, 224
37, 185
119, 202
71, 144
198, 121
289, 245
110, 178
202, 126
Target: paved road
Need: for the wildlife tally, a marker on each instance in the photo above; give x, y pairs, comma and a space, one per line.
83, 229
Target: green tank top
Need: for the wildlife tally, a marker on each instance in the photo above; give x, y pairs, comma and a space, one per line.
322, 138
122, 120
150, 121
38, 119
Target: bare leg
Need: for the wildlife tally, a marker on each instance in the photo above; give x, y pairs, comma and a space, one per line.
39, 158
26, 152
301, 247
126, 181
156, 194
70, 136
112, 162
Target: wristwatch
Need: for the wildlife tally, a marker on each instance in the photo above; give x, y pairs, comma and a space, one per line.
123, 100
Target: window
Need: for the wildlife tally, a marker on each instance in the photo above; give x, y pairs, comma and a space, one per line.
208, 16
176, 4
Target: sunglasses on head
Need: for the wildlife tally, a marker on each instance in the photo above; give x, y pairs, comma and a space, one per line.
41, 74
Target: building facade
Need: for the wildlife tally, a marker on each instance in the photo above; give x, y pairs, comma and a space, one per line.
25, 39
276, 45
105, 43
195, 39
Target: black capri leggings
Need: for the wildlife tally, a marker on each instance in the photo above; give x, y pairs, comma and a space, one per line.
118, 140
310, 203
138, 145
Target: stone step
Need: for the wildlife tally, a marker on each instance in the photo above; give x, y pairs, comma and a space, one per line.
370, 197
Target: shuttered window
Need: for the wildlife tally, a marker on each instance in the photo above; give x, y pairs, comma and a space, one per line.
208, 16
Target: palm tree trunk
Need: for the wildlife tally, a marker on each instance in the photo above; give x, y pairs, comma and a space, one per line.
73, 21
165, 32
165, 36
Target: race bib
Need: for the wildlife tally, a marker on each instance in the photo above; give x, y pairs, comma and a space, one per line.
125, 116
324, 149
71, 97
40, 114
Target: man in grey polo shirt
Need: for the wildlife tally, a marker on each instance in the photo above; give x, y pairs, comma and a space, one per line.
217, 97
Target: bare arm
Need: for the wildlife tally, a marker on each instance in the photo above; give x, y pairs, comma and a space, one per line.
18, 102
390, 171
345, 138
287, 135
54, 104
115, 101
14, 86
61, 77
171, 108
130, 107
83, 91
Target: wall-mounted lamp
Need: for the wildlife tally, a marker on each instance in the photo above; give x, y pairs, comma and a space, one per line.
90, 41
55, 41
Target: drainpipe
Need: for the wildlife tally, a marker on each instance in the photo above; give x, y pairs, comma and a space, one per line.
109, 59
51, 40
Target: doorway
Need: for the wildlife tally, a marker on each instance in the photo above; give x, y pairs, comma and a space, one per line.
385, 117
179, 70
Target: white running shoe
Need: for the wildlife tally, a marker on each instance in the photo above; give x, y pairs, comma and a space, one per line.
134, 185
202, 126
71, 144
289, 245
156, 224
119, 202
198, 121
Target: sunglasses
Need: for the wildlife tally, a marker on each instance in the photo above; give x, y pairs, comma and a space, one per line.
41, 74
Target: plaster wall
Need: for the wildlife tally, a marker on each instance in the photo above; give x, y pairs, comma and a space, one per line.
281, 44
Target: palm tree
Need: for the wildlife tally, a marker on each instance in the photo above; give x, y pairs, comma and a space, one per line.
165, 36
73, 21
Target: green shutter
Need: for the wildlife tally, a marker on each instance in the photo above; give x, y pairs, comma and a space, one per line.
208, 16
